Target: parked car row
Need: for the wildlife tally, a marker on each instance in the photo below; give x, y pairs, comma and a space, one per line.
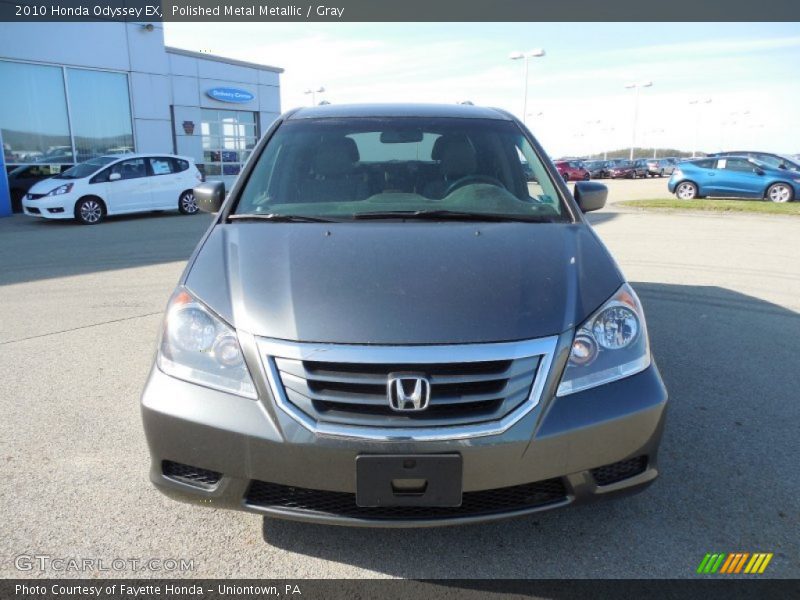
572, 170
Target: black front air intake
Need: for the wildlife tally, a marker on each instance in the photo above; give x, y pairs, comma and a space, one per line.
195, 476
342, 504
618, 471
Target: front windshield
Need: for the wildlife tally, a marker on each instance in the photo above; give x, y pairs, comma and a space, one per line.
84, 169
350, 167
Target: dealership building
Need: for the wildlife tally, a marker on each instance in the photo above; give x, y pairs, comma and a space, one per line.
72, 91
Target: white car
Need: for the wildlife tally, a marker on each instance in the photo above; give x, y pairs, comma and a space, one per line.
116, 185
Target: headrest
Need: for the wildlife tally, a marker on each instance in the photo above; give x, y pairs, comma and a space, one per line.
335, 156
456, 154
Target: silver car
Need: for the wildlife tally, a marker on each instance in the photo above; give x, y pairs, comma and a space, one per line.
400, 317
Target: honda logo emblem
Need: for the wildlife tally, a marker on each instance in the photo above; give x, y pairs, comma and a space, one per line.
408, 391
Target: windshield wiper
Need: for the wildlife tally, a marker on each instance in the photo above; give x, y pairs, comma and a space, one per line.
454, 215
277, 218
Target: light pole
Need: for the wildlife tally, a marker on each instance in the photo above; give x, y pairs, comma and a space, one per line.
526, 56
314, 93
654, 133
697, 103
637, 87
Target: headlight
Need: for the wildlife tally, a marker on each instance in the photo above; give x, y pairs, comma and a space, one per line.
197, 346
62, 189
609, 345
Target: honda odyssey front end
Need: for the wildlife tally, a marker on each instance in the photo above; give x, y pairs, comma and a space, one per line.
400, 317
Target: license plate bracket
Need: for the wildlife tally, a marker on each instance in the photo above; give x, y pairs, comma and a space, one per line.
408, 480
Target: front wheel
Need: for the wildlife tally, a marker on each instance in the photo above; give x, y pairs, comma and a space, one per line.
90, 211
686, 191
780, 192
187, 204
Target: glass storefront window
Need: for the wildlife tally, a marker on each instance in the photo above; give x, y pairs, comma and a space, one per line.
228, 137
101, 112
33, 114
39, 125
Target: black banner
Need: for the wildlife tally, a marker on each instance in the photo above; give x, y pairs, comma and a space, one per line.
393, 589
399, 10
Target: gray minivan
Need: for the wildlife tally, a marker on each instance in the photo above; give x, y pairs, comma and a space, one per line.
400, 317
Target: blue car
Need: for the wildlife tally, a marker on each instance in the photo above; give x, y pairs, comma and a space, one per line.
733, 177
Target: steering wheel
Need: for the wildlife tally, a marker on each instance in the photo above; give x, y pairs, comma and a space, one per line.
470, 179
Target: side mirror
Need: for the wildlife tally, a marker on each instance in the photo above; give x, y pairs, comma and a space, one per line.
114, 177
590, 195
209, 196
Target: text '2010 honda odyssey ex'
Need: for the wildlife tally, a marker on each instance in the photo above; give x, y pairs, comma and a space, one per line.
391, 322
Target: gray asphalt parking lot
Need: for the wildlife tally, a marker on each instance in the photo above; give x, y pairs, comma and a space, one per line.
81, 307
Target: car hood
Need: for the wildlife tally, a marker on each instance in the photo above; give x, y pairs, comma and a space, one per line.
47, 185
403, 283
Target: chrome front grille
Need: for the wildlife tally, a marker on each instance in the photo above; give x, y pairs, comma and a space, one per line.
475, 389
356, 394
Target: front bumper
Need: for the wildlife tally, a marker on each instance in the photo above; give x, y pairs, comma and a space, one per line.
50, 207
262, 461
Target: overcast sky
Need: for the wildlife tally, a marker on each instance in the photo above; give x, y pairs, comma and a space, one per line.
751, 73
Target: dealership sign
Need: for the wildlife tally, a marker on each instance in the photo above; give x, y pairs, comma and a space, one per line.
227, 94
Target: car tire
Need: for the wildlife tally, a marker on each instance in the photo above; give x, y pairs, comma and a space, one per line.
780, 192
686, 190
187, 204
90, 210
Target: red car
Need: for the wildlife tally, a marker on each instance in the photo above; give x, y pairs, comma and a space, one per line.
572, 170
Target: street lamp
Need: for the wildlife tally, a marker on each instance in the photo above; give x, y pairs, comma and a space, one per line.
314, 93
697, 103
605, 143
654, 133
526, 56
637, 87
